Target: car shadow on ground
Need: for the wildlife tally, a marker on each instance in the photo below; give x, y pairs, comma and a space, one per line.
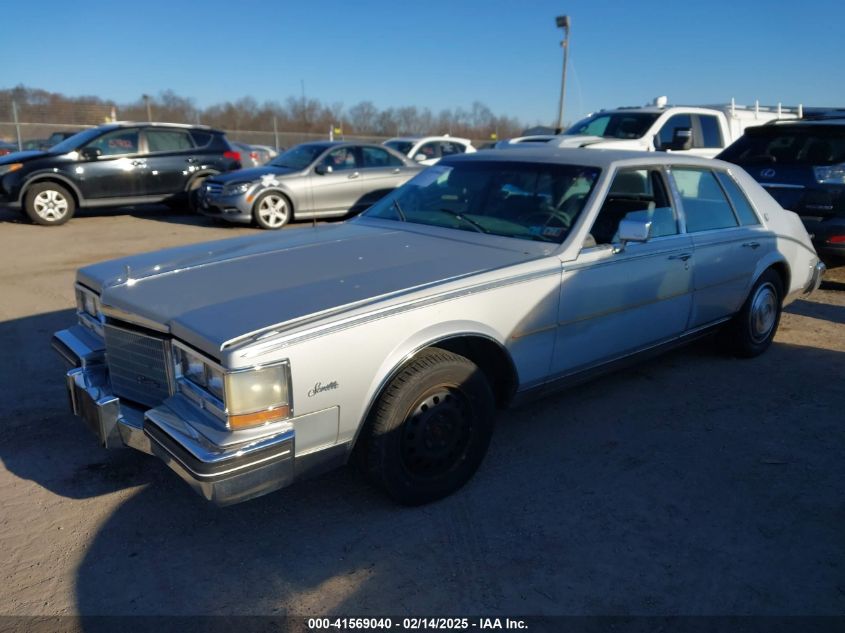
825, 311
690, 484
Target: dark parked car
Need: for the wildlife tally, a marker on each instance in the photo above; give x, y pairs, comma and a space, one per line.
802, 165
113, 165
46, 143
7, 148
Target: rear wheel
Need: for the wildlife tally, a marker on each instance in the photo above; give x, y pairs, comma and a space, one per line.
194, 194
271, 210
430, 428
752, 330
49, 204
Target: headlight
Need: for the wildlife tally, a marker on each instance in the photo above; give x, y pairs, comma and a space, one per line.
249, 397
830, 174
236, 188
88, 305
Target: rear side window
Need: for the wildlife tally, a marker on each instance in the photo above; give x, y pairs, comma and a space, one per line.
168, 141
711, 135
705, 206
448, 147
375, 157
738, 200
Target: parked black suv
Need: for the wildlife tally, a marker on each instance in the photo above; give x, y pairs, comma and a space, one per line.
802, 165
113, 165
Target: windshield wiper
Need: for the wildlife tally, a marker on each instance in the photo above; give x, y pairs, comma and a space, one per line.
475, 225
398, 210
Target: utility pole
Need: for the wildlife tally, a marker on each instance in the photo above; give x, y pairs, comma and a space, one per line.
563, 22
146, 99
17, 125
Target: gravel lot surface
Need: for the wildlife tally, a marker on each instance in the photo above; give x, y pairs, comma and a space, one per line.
691, 484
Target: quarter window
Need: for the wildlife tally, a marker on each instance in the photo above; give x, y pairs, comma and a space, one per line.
738, 200
705, 205
634, 194
117, 142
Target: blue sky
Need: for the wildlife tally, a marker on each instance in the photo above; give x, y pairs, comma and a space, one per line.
434, 53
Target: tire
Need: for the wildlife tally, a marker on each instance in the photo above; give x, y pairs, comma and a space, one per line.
430, 429
753, 328
49, 204
272, 210
194, 194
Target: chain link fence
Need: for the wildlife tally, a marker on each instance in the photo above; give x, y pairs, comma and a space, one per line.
29, 126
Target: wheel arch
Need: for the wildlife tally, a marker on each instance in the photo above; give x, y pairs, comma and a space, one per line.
777, 263
292, 202
202, 175
65, 182
481, 347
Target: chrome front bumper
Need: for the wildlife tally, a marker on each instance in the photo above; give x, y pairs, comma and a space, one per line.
227, 472
816, 279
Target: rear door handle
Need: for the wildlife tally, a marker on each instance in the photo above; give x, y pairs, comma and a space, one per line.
139, 163
354, 174
751, 244
396, 171
682, 256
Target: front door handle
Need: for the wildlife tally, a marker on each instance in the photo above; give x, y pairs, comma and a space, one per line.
396, 171
190, 160
682, 256
751, 244
354, 174
139, 163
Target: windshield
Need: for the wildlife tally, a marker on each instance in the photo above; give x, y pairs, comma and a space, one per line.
403, 147
298, 157
78, 140
770, 145
615, 124
532, 201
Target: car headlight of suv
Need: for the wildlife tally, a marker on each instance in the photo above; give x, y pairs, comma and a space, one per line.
236, 188
246, 397
830, 174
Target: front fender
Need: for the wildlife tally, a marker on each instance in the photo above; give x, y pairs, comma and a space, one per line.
40, 176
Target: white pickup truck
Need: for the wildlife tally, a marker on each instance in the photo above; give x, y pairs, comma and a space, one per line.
697, 130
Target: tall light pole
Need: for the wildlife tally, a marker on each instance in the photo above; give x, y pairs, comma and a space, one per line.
563, 22
146, 99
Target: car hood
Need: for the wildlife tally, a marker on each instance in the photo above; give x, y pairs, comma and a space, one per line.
254, 173
209, 294
583, 140
17, 157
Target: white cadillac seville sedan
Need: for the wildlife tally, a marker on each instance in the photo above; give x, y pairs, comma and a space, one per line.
489, 278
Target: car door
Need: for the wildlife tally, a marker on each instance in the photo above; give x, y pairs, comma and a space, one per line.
118, 171
728, 239
615, 299
169, 158
381, 172
336, 181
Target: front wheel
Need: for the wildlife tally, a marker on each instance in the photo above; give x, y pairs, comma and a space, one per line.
49, 204
752, 330
271, 210
430, 428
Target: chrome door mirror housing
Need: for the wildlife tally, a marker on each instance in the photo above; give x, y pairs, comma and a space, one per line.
631, 230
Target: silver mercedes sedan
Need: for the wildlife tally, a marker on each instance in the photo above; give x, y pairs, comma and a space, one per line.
312, 180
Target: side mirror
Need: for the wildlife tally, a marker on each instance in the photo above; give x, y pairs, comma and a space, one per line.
91, 153
632, 231
681, 139
420, 157
322, 170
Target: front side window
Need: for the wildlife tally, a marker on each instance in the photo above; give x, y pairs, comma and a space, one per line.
117, 143
377, 157
532, 201
428, 151
403, 147
705, 206
168, 141
667, 132
341, 159
634, 194
447, 148
626, 125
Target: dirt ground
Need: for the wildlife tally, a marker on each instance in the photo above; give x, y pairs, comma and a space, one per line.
692, 484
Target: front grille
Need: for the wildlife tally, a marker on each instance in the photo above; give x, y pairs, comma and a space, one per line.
138, 365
